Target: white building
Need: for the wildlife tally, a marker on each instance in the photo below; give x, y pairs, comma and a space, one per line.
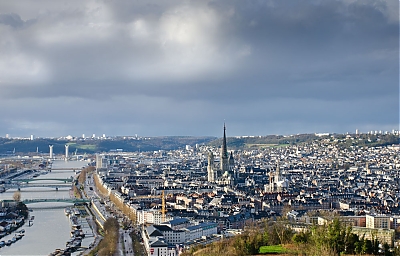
163, 240
155, 244
151, 216
200, 230
377, 221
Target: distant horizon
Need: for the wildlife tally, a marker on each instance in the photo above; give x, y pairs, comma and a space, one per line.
180, 68
392, 131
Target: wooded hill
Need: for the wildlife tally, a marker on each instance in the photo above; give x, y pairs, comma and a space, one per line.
7, 146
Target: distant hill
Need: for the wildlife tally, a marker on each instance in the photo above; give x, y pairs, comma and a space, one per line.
7, 146
341, 140
246, 142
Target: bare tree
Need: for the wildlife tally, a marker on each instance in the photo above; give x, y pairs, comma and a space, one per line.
17, 196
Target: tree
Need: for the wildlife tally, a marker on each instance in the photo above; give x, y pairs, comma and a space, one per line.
367, 247
358, 247
17, 196
22, 209
386, 249
352, 241
301, 237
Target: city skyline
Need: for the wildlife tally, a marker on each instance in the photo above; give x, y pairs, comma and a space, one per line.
130, 136
183, 68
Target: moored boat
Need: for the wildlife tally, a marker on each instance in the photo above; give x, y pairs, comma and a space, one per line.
76, 211
67, 211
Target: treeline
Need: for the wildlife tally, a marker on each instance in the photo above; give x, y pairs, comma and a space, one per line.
124, 208
331, 239
108, 245
103, 191
86, 171
78, 188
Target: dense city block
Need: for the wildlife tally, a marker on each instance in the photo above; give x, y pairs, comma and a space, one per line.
199, 194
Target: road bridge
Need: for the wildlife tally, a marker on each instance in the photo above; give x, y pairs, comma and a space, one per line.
42, 185
64, 169
55, 200
52, 200
38, 185
41, 179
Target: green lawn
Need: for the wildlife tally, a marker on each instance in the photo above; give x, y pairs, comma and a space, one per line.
83, 146
270, 249
87, 146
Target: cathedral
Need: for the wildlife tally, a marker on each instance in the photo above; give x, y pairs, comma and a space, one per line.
277, 183
226, 174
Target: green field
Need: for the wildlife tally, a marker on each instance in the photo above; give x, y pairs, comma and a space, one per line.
83, 146
87, 146
272, 249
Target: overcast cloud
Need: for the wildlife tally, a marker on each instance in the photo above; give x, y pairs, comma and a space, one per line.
184, 67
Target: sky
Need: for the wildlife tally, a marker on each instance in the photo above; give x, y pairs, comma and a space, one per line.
156, 68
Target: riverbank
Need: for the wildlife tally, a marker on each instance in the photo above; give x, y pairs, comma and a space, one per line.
82, 234
13, 215
51, 228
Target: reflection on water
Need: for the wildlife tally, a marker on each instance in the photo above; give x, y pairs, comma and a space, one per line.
49, 231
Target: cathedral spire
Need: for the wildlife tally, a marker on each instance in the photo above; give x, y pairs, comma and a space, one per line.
224, 165
224, 149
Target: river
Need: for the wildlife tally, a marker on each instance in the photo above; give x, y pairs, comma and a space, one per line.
51, 228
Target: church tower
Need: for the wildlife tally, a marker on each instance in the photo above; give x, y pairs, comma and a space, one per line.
210, 167
224, 165
271, 182
231, 163
277, 173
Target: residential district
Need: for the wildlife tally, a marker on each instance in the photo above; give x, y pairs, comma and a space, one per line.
201, 194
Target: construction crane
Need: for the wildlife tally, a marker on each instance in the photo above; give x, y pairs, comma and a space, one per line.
163, 204
163, 208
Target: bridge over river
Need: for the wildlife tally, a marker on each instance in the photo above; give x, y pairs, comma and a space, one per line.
40, 182
52, 200
64, 169
65, 180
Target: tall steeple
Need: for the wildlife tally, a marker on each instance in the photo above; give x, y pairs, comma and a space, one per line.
224, 149
224, 155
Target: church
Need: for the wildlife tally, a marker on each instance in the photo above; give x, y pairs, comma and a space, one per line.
277, 183
225, 173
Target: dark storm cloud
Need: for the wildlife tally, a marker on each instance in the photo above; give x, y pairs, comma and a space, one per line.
12, 20
257, 64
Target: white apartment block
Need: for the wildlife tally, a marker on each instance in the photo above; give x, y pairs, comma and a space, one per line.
151, 216
377, 221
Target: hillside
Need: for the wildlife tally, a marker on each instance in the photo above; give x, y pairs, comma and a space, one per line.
8, 146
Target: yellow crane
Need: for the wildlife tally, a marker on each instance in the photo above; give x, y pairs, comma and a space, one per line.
163, 204
163, 208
